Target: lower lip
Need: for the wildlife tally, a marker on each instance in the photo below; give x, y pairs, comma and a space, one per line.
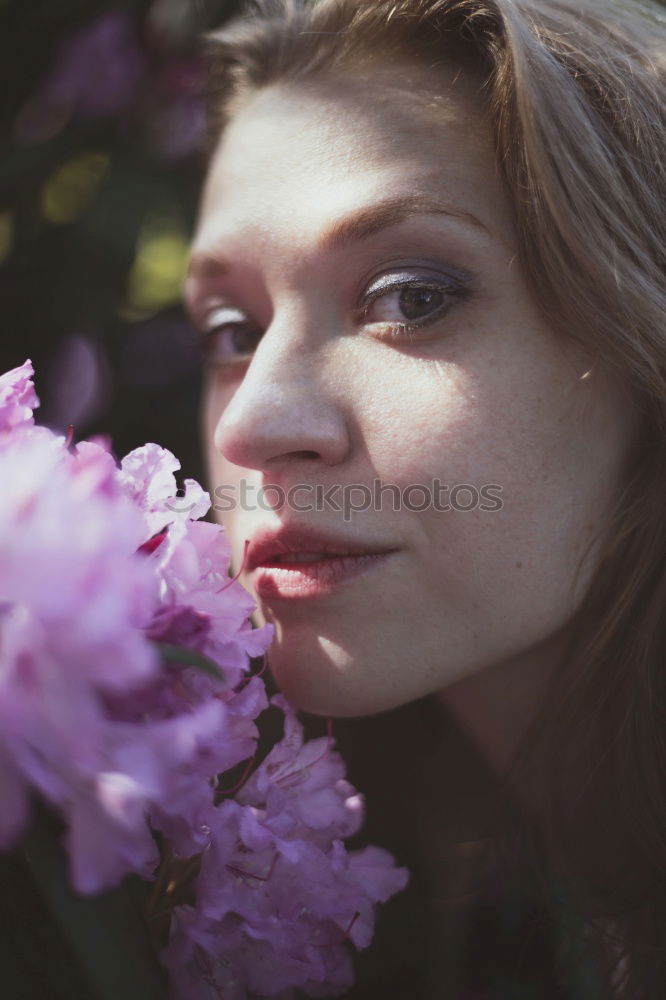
312, 579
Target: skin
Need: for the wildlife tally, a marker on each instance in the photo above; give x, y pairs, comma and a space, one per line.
474, 605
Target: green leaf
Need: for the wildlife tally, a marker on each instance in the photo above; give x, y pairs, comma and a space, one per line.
189, 658
106, 933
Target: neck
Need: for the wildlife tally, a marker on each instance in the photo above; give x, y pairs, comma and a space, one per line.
496, 706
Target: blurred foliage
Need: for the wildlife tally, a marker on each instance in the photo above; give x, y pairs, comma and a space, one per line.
101, 163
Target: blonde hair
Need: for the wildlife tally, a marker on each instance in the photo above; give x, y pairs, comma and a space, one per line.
574, 93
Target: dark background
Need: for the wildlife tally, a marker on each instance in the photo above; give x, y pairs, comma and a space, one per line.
101, 163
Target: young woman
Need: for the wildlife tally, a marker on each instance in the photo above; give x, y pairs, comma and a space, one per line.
428, 275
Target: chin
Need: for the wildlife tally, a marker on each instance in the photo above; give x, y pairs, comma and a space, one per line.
325, 688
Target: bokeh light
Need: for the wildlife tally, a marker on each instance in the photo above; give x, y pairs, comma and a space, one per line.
99, 182
71, 189
156, 278
6, 235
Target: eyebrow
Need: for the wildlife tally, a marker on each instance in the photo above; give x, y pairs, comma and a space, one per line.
368, 221
358, 226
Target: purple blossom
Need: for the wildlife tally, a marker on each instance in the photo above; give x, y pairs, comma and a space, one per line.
75, 597
79, 382
147, 476
217, 736
102, 567
81, 606
278, 893
17, 398
97, 69
301, 788
76, 581
179, 127
193, 565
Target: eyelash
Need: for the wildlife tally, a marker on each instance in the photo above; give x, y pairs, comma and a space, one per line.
450, 288
453, 289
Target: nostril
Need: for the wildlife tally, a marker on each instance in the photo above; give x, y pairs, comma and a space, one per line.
296, 456
300, 455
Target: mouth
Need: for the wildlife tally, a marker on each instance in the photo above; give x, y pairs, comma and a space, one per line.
312, 574
300, 558
295, 561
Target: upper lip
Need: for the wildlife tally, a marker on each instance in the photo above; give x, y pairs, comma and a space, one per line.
267, 543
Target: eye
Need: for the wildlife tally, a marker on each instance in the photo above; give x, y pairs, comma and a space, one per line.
407, 300
228, 337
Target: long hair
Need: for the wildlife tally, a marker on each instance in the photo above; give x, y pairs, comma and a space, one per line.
574, 91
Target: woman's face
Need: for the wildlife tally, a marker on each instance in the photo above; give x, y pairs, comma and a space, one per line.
355, 273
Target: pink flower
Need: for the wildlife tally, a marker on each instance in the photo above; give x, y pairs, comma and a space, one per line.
17, 398
147, 476
77, 581
116, 740
200, 605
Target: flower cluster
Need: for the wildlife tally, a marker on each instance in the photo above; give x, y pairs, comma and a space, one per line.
125, 694
278, 894
96, 571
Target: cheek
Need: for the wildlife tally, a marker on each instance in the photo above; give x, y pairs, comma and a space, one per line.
215, 398
552, 448
222, 477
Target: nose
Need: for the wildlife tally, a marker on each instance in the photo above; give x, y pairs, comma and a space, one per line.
285, 408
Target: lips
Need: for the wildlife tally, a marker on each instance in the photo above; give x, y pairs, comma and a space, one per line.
291, 545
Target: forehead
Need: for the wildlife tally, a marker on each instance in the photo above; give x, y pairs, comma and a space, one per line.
298, 153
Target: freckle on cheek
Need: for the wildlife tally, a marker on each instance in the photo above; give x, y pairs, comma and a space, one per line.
519, 565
